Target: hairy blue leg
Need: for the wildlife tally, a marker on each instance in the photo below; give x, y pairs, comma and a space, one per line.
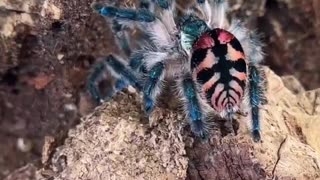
164, 4
141, 15
123, 74
151, 88
121, 84
192, 106
123, 71
136, 62
256, 98
93, 88
144, 4
257, 80
121, 37
92, 82
167, 16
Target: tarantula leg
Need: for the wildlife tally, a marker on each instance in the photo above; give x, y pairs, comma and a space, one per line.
137, 62
256, 98
192, 106
214, 12
167, 15
121, 84
122, 71
257, 81
92, 82
160, 32
120, 29
250, 42
118, 69
144, 4
152, 86
164, 4
122, 37
141, 15
205, 9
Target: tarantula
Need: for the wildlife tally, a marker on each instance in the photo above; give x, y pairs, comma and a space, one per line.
216, 66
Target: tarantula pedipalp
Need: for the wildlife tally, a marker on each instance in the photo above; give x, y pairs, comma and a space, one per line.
218, 66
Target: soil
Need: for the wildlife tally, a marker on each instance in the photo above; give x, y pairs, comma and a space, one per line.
43, 68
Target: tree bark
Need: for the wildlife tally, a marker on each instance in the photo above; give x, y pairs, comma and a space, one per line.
116, 142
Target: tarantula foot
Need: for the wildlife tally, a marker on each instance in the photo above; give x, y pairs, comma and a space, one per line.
96, 6
229, 127
120, 85
93, 93
256, 136
155, 116
148, 105
199, 129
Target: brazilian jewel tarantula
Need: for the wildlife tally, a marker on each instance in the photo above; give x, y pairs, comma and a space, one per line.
215, 66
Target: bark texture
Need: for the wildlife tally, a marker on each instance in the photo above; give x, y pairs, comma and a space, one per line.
116, 142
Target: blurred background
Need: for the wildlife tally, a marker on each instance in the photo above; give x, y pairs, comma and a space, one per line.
47, 48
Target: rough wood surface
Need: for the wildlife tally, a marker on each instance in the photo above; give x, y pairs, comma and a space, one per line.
116, 142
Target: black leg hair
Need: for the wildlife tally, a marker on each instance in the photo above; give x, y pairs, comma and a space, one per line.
161, 30
144, 4
93, 80
257, 81
193, 106
119, 70
152, 86
140, 15
122, 37
257, 98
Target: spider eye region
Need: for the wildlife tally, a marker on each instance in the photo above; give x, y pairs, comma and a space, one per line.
191, 28
220, 67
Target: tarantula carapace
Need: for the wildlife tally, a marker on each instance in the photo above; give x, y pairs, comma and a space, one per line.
215, 65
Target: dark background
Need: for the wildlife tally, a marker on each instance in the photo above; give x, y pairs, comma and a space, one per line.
43, 68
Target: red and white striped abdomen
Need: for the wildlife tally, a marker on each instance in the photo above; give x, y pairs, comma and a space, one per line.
219, 65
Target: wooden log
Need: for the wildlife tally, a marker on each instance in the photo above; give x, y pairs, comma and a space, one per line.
116, 142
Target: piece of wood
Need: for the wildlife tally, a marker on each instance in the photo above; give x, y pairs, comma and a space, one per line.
116, 142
